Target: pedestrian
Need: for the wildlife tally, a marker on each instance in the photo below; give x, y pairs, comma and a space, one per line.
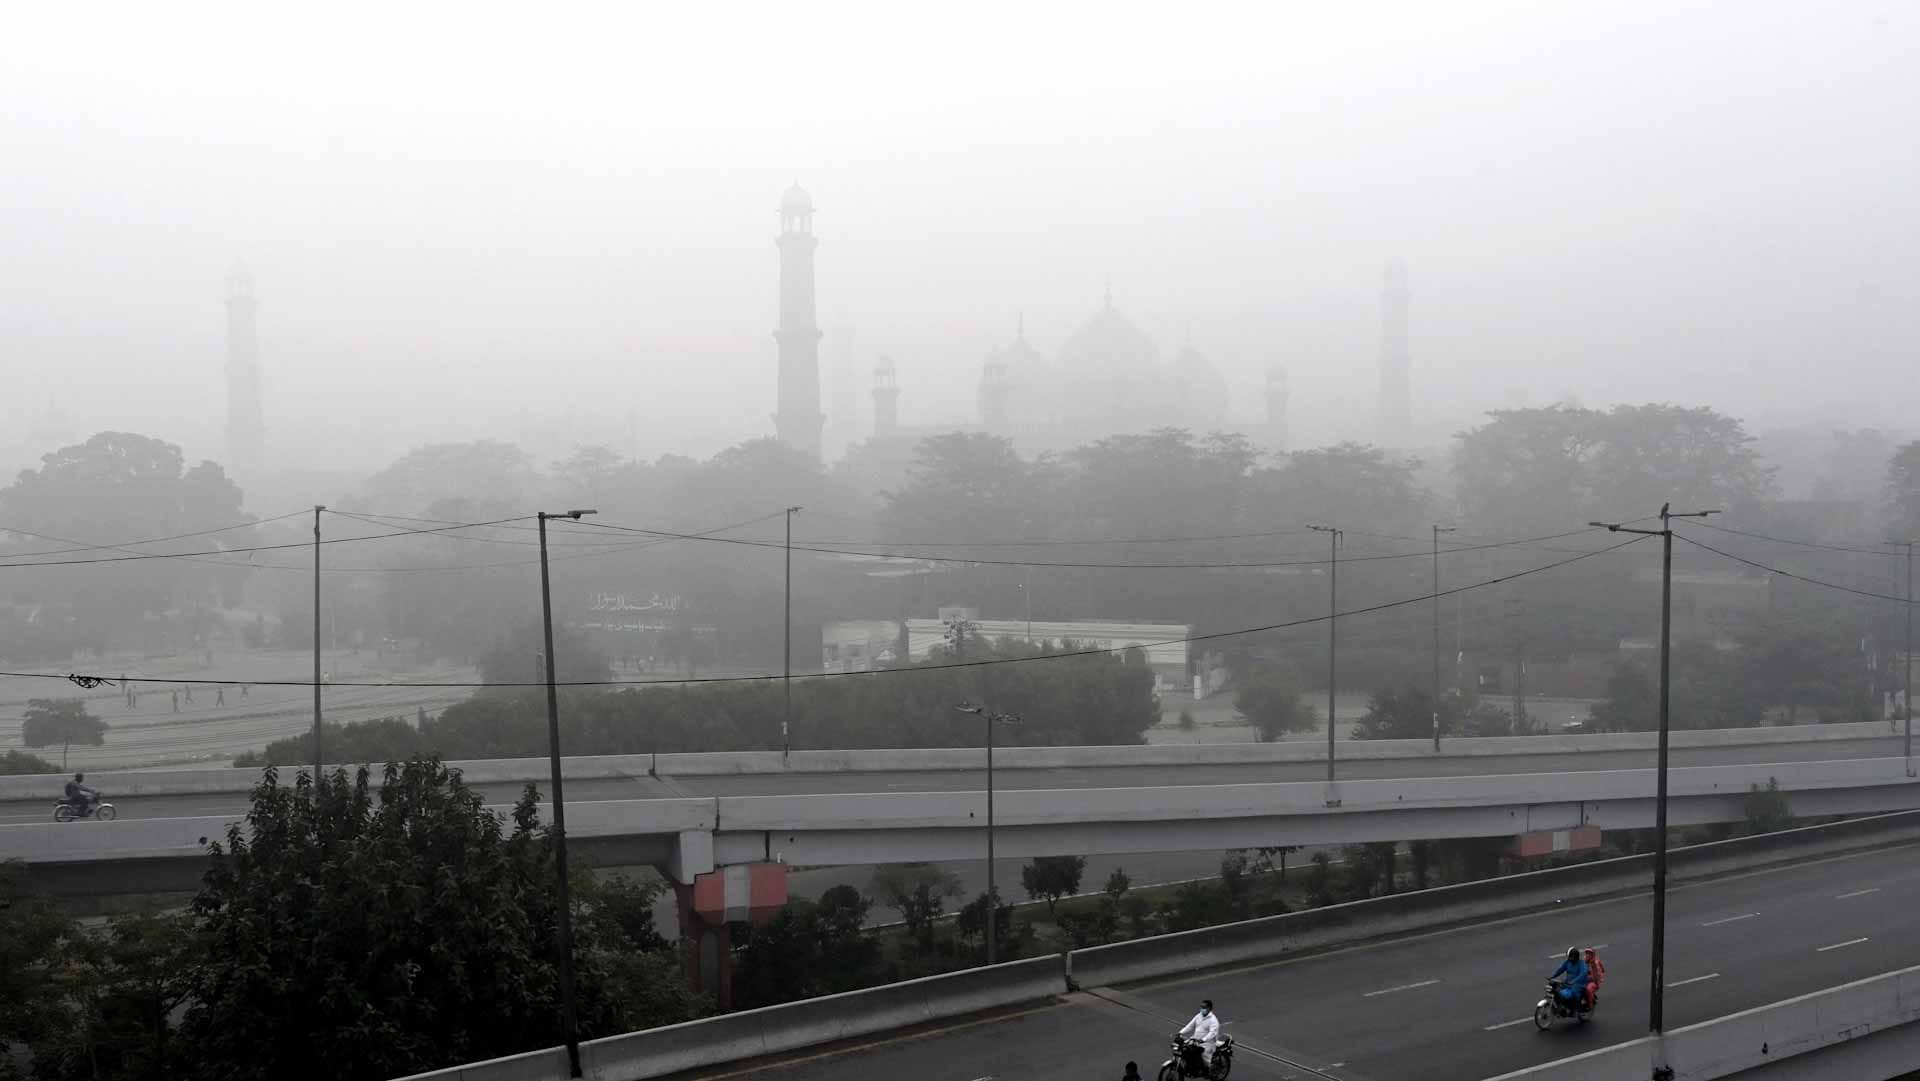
243, 690
220, 696
126, 689
1133, 1072
176, 701
188, 687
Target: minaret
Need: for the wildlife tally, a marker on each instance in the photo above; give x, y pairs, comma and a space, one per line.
886, 399
798, 420
1276, 433
246, 426
1396, 398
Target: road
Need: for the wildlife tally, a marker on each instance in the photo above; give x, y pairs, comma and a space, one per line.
646, 787
1445, 1006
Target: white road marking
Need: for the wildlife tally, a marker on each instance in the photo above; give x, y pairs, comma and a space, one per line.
1837, 945
1696, 979
1402, 987
1857, 893
1729, 919
1506, 1024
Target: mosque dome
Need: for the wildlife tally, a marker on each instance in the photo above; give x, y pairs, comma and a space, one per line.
1108, 347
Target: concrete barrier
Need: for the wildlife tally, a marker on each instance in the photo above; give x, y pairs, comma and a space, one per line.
1771, 1040
749, 1034
1379, 917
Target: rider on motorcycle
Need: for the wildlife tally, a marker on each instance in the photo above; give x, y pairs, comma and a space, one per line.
1574, 969
1204, 1029
1596, 975
79, 795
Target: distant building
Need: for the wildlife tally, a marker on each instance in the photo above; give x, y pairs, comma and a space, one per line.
864, 645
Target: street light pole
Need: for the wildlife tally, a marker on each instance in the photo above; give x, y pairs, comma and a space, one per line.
1333, 637
1437, 530
993, 898
1906, 666
1656, 1006
317, 509
786, 648
568, 1028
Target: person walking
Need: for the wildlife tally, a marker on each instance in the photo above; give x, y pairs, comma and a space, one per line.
176, 701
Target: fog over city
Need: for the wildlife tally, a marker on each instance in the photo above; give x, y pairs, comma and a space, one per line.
473, 222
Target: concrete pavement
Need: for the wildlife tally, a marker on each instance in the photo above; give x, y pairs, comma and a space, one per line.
1452, 1005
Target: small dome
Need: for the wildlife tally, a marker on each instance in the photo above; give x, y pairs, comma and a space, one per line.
796, 201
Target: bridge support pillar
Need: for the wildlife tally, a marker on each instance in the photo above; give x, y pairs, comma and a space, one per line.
706, 949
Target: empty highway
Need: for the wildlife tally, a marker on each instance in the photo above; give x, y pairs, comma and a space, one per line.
643, 786
1446, 1006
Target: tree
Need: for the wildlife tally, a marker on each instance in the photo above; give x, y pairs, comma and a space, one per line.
487, 475
1117, 884
362, 932
1401, 714
116, 1018
37, 944
1053, 877
19, 763
65, 721
919, 892
114, 487
971, 923
809, 948
519, 660
1767, 808
1237, 884
1270, 701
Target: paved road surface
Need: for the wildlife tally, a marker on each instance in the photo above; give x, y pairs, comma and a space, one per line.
1447, 1006
644, 787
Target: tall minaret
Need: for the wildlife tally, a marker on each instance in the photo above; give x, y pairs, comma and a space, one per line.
886, 399
246, 425
1396, 397
798, 420
1276, 433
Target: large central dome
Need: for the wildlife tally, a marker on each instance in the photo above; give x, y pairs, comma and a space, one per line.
1111, 375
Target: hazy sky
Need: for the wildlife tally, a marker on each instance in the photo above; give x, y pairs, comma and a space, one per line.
458, 213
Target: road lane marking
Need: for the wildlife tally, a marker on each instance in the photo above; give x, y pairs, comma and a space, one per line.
1402, 987
1729, 919
1837, 945
1506, 1024
1696, 979
1857, 893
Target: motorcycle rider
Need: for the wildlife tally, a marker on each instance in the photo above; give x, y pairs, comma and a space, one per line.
1596, 975
80, 796
1204, 1028
1575, 970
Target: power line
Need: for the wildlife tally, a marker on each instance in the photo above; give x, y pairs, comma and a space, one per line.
1187, 640
1790, 574
243, 551
911, 557
83, 546
1797, 543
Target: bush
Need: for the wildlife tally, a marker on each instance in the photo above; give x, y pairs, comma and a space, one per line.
20, 763
1270, 701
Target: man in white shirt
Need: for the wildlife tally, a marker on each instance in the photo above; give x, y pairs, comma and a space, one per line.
1205, 1028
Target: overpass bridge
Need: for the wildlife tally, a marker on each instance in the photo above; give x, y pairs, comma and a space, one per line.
687, 836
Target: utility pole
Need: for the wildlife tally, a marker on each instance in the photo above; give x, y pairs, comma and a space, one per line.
1906, 661
993, 897
1437, 530
317, 509
1026, 595
1333, 637
1657, 1000
569, 1029
786, 649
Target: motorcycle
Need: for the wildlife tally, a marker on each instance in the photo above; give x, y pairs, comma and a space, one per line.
1188, 1057
1555, 1006
67, 812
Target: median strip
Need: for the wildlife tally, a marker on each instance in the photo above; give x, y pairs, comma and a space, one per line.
1838, 945
1402, 987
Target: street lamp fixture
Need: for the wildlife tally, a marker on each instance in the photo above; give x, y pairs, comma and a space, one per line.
1657, 1001
991, 719
569, 1028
